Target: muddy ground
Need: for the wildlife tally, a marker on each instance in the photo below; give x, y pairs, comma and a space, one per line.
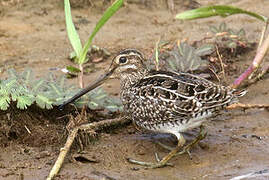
32, 34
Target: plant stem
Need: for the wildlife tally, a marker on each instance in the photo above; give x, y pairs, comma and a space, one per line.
80, 78
157, 54
255, 64
263, 33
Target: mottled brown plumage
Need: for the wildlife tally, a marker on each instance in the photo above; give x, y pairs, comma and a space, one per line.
163, 101
154, 99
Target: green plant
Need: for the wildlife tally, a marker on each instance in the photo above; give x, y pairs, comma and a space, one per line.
80, 53
225, 11
218, 10
185, 58
228, 37
181, 58
47, 92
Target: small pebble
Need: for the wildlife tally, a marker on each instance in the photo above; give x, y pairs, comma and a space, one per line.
135, 169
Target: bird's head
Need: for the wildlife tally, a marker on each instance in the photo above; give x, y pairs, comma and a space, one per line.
126, 62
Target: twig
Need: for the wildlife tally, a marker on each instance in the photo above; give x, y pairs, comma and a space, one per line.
214, 74
204, 38
58, 164
255, 64
221, 63
27, 129
90, 126
247, 106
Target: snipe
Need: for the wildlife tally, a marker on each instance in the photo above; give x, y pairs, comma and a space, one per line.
162, 101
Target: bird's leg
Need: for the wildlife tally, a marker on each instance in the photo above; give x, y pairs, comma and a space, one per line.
201, 136
164, 161
167, 147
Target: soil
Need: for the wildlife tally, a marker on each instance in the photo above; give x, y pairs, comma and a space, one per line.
32, 34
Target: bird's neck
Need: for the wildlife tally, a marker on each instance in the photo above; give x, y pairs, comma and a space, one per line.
128, 79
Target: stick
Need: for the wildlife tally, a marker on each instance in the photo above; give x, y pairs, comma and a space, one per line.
90, 126
63, 151
247, 106
221, 63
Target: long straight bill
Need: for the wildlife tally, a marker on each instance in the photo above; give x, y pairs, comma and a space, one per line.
90, 87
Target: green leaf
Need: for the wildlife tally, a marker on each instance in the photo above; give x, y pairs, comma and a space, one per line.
27, 75
222, 27
204, 50
43, 102
37, 84
73, 69
4, 102
231, 44
231, 32
172, 65
241, 32
71, 30
10, 83
218, 10
61, 81
213, 29
72, 56
113, 104
93, 105
184, 57
55, 89
106, 16
112, 108
24, 101
12, 73
4, 98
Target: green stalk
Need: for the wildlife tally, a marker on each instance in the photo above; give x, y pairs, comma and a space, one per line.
106, 16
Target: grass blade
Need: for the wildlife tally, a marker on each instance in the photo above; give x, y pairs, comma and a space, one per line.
220, 10
71, 30
108, 13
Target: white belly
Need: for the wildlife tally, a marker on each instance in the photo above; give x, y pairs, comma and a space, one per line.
184, 126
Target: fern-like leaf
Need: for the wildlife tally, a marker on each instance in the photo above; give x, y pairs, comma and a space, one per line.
185, 58
4, 98
24, 101
25, 90
43, 102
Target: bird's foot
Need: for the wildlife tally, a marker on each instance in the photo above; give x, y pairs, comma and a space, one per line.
164, 161
150, 165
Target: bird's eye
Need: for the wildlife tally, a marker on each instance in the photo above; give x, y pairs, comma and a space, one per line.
122, 60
